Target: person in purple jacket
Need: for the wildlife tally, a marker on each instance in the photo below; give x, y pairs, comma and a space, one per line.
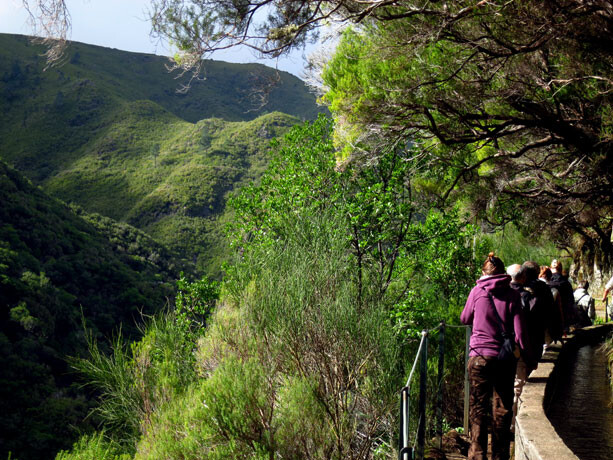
489, 376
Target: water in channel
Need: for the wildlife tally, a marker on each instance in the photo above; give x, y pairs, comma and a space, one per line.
581, 409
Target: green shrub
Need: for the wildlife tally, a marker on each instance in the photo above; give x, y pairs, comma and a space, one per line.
193, 304
300, 298
224, 416
132, 383
291, 365
94, 447
356, 251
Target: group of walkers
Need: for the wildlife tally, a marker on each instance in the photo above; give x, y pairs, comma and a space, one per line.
515, 313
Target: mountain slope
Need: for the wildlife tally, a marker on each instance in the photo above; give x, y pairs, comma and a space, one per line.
230, 91
165, 176
108, 132
56, 265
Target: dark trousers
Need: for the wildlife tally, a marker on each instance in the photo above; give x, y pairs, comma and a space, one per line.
491, 397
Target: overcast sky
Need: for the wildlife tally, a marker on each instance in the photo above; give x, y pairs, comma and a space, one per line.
122, 24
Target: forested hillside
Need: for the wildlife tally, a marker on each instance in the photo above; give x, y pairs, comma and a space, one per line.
109, 131
229, 91
338, 270
58, 268
457, 128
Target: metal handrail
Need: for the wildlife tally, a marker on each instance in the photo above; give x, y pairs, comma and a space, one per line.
405, 452
424, 334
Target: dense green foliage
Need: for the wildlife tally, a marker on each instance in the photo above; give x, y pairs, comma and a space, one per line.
403, 254
94, 447
178, 194
510, 100
337, 271
136, 381
194, 303
399, 246
57, 267
108, 132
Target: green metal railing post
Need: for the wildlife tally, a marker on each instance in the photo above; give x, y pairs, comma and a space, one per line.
404, 452
417, 451
421, 425
441, 371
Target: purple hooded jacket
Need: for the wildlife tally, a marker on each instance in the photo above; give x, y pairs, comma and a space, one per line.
486, 339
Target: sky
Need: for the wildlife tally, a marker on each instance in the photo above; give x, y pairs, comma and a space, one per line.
122, 24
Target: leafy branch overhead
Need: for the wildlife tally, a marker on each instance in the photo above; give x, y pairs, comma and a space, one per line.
511, 98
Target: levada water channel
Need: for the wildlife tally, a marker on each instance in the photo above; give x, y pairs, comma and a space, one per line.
581, 407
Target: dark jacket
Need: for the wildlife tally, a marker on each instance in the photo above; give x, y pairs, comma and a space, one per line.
561, 283
535, 314
544, 304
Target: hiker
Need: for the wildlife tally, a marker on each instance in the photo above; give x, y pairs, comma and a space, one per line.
584, 304
561, 283
545, 276
607, 288
528, 359
544, 304
494, 311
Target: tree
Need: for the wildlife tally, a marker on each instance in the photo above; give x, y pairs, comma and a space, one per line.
400, 250
512, 98
50, 20
339, 266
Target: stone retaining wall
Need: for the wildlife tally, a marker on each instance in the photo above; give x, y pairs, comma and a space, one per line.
535, 437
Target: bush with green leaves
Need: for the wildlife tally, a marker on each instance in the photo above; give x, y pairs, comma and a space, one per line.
193, 303
411, 260
134, 381
401, 249
94, 447
291, 365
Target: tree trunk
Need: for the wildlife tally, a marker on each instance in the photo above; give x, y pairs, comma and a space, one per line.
592, 262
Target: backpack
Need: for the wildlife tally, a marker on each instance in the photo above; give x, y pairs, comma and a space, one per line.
583, 312
509, 351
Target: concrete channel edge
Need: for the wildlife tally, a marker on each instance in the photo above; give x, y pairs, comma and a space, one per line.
535, 437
